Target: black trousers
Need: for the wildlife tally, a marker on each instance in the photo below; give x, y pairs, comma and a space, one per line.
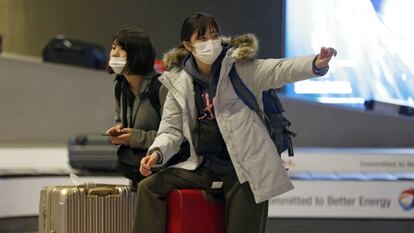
242, 215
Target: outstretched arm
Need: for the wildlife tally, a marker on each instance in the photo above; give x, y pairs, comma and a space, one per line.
264, 74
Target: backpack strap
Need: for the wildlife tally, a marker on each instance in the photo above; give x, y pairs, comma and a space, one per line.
118, 81
244, 92
120, 86
154, 93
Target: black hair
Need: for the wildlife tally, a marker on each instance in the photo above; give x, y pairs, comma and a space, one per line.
140, 51
198, 22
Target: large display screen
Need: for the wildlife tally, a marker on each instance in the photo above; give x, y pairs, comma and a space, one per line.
375, 44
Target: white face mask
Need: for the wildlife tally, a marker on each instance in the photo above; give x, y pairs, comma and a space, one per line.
208, 51
117, 64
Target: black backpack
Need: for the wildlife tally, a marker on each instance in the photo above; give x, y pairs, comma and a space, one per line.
272, 114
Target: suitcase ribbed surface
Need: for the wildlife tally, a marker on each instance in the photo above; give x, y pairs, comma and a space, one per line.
103, 209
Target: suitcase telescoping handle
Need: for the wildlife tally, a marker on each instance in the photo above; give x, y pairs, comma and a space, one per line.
103, 191
100, 190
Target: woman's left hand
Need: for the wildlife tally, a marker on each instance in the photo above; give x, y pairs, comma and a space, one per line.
324, 57
147, 162
123, 138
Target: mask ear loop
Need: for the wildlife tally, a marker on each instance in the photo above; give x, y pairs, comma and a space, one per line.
187, 44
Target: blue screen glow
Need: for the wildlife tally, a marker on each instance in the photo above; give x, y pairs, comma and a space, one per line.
375, 44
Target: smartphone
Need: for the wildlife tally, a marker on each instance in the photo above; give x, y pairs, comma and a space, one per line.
111, 135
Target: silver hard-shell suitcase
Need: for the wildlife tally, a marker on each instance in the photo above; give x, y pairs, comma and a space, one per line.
99, 208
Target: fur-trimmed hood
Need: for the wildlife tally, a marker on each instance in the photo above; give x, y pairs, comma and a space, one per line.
242, 47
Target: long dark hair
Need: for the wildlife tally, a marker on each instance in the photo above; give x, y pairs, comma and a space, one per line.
140, 51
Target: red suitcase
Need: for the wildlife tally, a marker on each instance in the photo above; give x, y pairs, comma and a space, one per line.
190, 211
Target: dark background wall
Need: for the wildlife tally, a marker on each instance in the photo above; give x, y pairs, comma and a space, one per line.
28, 25
54, 102
46, 103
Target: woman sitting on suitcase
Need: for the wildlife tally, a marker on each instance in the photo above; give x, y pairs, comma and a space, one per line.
228, 141
139, 98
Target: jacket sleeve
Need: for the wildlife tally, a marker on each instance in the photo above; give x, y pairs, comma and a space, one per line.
264, 74
170, 132
144, 138
163, 95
